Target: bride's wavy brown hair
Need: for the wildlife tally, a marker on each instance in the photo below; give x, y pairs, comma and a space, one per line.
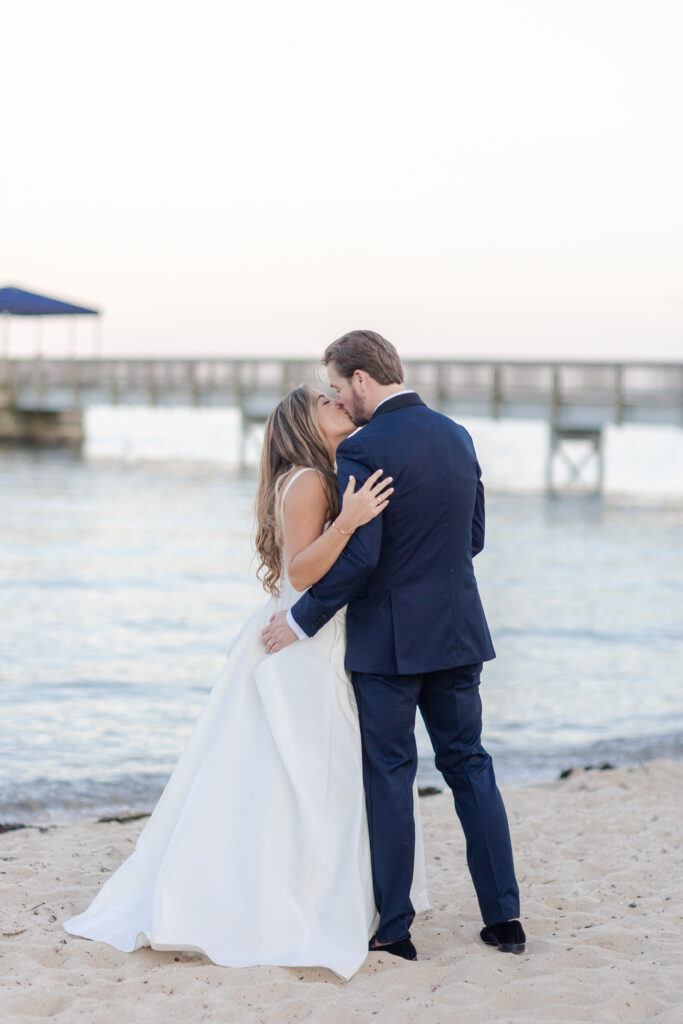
293, 438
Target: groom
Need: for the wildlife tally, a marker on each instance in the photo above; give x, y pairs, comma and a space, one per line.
416, 634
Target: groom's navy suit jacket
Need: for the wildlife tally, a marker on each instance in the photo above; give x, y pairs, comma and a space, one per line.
407, 576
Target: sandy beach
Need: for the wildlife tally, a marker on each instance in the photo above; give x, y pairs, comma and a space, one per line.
599, 865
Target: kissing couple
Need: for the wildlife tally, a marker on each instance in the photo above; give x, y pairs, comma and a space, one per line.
289, 833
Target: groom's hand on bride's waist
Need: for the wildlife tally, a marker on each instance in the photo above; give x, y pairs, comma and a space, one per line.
278, 633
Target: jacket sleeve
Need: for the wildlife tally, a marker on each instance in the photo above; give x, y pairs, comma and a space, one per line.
478, 517
356, 562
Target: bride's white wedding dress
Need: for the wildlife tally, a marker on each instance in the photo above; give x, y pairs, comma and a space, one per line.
257, 851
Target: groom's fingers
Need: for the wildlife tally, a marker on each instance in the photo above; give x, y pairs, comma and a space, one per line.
269, 634
270, 623
276, 638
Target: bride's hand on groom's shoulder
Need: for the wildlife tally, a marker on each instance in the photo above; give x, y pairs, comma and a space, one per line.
278, 633
362, 505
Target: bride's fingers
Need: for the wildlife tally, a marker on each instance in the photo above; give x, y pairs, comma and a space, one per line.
379, 485
372, 479
383, 493
369, 483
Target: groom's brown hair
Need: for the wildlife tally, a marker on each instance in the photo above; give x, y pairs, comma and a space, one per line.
368, 351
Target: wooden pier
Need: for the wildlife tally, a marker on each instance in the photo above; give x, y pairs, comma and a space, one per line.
576, 399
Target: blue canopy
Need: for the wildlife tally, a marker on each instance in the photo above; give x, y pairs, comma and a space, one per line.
18, 302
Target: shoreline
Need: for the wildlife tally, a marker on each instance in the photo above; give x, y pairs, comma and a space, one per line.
598, 859
424, 793
106, 806
606, 757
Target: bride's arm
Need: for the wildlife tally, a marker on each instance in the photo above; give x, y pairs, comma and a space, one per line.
310, 552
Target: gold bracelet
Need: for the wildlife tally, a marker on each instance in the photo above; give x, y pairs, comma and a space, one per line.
345, 533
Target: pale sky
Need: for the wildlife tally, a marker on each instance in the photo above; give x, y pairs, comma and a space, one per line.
496, 178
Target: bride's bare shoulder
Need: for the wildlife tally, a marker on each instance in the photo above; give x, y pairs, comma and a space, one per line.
303, 491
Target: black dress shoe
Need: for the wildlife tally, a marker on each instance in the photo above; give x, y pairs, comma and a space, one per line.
402, 947
507, 935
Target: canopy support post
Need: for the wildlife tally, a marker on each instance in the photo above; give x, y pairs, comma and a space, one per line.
6, 319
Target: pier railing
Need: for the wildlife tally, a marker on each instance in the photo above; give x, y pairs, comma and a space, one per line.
576, 399
559, 391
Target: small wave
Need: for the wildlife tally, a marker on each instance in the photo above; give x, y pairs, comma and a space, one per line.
45, 801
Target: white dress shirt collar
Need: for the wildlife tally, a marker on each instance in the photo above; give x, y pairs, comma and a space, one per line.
405, 391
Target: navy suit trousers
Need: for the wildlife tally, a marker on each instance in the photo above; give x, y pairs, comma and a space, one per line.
451, 708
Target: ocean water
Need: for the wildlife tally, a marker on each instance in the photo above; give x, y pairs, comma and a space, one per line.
125, 571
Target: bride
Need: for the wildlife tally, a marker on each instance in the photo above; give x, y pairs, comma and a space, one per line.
257, 851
